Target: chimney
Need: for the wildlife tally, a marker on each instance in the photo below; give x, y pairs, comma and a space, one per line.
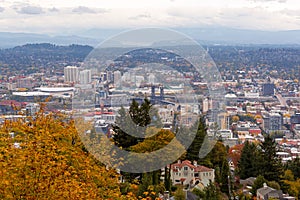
265, 185
178, 161
195, 163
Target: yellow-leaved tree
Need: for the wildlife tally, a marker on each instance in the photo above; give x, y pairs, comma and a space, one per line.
44, 158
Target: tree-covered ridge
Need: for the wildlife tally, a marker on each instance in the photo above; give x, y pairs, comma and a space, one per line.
42, 56
228, 58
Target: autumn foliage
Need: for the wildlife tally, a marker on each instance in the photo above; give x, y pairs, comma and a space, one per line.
50, 162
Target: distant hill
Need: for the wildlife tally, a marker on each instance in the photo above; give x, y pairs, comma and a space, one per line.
43, 55
219, 35
9, 40
32, 58
232, 36
207, 35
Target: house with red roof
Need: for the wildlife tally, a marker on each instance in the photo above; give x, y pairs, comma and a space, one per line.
186, 173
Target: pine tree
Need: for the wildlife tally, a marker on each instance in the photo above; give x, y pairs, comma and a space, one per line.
211, 192
123, 127
218, 158
167, 179
249, 163
194, 148
271, 164
140, 114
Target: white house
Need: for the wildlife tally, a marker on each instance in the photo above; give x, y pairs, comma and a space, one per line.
187, 173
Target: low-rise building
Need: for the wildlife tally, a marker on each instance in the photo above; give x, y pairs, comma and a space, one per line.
267, 192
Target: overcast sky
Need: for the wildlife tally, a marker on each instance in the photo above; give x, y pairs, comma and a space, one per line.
69, 16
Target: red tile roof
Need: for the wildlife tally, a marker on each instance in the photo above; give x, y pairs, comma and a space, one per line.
187, 163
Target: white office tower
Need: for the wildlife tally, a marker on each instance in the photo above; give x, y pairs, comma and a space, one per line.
85, 76
151, 79
139, 80
71, 74
117, 79
126, 77
205, 106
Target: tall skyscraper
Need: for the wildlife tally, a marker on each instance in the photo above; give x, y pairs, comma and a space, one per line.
151, 79
109, 76
71, 74
117, 78
85, 76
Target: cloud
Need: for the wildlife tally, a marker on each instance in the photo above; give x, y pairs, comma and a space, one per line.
279, 1
290, 12
258, 18
246, 15
83, 9
53, 9
141, 16
31, 10
2, 9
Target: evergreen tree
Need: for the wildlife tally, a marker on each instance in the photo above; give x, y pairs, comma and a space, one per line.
211, 192
194, 148
180, 194
218, 158
294, 166
130, 126
225, 178
249, 163
271, 164
258, 183
147, 180
167, 179
121, 136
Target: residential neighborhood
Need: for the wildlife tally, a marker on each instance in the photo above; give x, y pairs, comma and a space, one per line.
256, 103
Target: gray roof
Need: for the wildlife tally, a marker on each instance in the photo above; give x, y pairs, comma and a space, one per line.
269, 192
265, 190
248, 181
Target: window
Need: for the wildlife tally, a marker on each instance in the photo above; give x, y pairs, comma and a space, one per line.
185, 168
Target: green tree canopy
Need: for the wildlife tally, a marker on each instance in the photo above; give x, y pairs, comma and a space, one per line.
271, 164
249, 163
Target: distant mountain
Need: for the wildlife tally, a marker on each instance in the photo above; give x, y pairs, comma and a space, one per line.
218, 35
240, 36
9, 40
208, 35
